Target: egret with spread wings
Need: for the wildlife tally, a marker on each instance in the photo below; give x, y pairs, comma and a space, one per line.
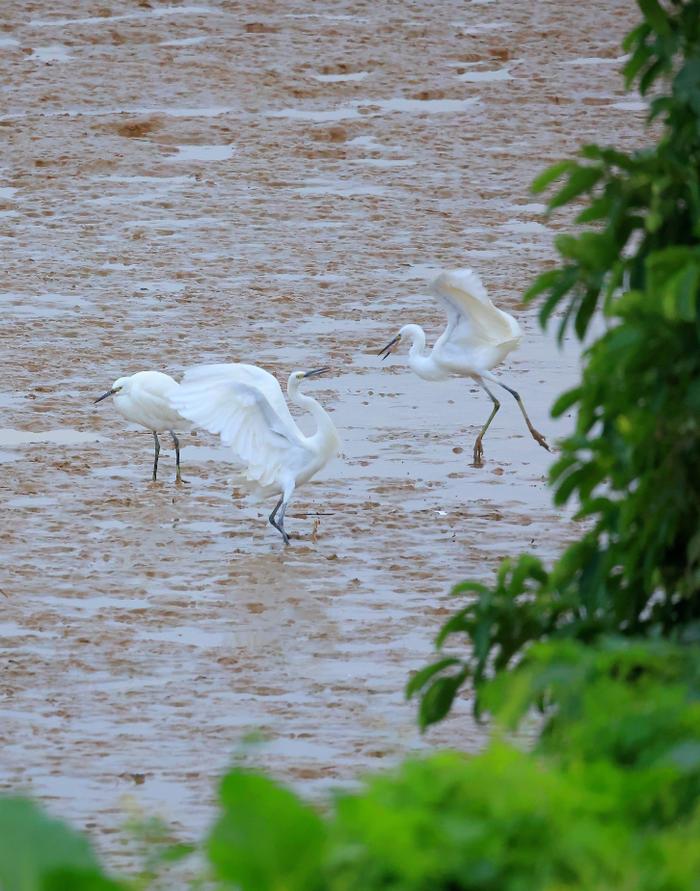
144, 399
245, 406
478, 337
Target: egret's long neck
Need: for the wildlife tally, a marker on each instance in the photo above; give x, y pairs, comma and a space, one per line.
326, 436
420, 361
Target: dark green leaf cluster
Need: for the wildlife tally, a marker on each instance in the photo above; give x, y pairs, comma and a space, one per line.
639, 203
632, 464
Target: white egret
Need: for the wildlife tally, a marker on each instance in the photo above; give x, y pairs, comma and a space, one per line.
244, 404
478, 337
144, 399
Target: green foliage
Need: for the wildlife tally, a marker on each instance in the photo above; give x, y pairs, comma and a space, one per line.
266, 839
41, 854
632, 463
453, 822
629, 707
607, 800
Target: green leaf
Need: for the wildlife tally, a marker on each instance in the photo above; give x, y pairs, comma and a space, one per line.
613, 287
581, 179
594, 250
564, 323
650, 75
540, 183
662, 264
542, 283
421, 678
659, 105
585, 312
599, 209
679, 296
457, 624
655, 15
438, 698
266, 839
564, 402
685, 86
623, 339
610, 156
564, 283
468, 587
567, 485
636, 35
635, 63
35, 850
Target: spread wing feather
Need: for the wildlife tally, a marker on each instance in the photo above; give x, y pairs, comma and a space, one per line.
266, 444
203, 377
472, 316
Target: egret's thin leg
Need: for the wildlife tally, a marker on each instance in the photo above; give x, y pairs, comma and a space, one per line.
176, 442
272, 516
280, 524
478, 448
535, 434
281, 506
157, 452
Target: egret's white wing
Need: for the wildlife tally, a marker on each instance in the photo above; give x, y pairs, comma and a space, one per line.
266, 444
472, 316
204, 377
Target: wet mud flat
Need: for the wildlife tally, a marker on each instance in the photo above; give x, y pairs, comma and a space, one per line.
276, 183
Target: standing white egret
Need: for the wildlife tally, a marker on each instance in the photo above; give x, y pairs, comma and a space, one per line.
245, 406
478, 337
144, 399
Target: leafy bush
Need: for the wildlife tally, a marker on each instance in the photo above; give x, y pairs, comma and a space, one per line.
608, 800
633, 461
633, 706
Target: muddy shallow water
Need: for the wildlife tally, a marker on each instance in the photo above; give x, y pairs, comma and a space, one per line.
267, 182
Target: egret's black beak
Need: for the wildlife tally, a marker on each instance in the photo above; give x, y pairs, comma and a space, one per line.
104, 396
389, 348
315, 372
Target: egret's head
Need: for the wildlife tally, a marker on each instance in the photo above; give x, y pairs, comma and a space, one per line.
116, 387
296, 377
406, 332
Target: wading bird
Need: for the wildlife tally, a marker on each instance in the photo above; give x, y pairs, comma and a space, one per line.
144, 398
478, 337
245, 406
